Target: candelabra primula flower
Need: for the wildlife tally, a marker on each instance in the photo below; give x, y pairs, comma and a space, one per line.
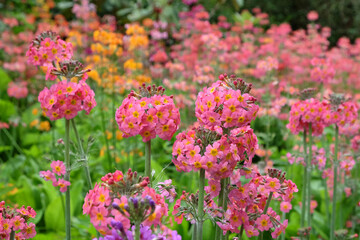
66, 98
227, 103
148, 113
16, 220
18, 89
57, 168
247, 204
126, 199
218, 154
47, 48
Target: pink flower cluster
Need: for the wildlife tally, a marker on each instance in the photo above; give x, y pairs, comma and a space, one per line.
118, 189
17, 89
14, 219
322, 71
247, 203
308, 111
319, 158
150, 115
218, 157
47, 48
225, 107
65, 99
57, 168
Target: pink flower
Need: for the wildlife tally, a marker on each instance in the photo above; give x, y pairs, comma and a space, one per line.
29, 231
98, 216
263, 223
63, 185
312, 16
58, 167
285, 207
48, 175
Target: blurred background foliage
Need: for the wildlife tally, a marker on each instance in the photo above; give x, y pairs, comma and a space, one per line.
342, 16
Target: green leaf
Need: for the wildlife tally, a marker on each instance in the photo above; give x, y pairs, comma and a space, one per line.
54, 215
4, 79
7, 109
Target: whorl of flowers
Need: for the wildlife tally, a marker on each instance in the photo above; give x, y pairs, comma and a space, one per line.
66, 98
322, 70
57, 168
16, 220
126, 199
226, 104
48, 47
218, 154
340, 111
18, 89
148, 113
247, 204
307, 110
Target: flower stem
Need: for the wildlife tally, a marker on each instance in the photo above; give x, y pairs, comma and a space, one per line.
265, 211
83, 155
308, 167
303, 201
218, 230
12, 235
241, 231
333, 215
201, 204
194, 232
148, 159
67, 178
137, 231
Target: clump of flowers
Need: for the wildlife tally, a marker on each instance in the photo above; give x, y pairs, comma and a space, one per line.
307, 111
66, 98
249, 204
14, 222
55, 175
17, 89
148, 113
322, 71
48, 47
126, 199
226, 104
218, 154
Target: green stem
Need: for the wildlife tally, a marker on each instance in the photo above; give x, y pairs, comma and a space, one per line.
303, 201
67, 178
201, 204
218, 231
12, 235
137, 231
83, 155
13, 141
308, 166
283, 217
148, 159
194, 232
333, 215
265, 211
241, 231
104, 132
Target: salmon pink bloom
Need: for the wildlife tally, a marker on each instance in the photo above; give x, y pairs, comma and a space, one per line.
58, 167
263, 223
63, 184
